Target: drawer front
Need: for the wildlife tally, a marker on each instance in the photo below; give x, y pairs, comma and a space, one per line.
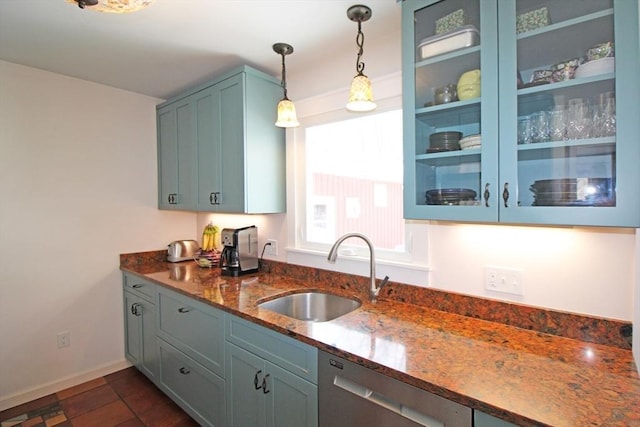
194, 328
296, 357
142, 287
200, 392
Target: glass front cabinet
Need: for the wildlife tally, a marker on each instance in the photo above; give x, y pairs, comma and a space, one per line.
523, 111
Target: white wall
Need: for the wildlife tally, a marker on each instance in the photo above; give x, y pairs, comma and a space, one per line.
581, 270
78, 167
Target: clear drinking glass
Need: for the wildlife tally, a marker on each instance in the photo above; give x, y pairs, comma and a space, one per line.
578, 118
606, 114
539, 127
557, 124
524, 130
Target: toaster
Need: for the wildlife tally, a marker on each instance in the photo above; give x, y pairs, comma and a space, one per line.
182, 250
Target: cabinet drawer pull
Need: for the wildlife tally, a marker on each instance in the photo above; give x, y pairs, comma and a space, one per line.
184, 310
184, 371
256, 381
137, 286
264, 385
487, 194
214, 198
135, 309
505, 194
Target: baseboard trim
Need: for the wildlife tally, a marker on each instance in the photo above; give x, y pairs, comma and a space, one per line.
28, 395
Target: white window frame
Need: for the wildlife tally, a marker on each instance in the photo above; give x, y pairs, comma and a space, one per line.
411, 266
355, 247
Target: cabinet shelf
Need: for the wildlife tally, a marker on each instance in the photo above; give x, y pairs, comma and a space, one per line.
467, 51
567, 149
543, 97
448, 158
605, 79
589, 18
564, 40
442, 70
452, 114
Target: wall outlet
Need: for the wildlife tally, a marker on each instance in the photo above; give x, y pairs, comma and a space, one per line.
272, 247
64, 339
504, 280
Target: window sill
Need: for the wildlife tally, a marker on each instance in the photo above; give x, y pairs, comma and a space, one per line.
410, 274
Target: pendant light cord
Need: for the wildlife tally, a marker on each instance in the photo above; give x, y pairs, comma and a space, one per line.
360, 43
284, 78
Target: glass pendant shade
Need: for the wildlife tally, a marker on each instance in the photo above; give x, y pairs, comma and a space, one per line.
113, 6
361, 94
287, 114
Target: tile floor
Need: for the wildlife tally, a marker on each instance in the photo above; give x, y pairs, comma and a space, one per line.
125, 398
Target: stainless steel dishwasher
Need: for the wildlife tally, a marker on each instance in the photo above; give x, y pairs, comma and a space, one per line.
350, 395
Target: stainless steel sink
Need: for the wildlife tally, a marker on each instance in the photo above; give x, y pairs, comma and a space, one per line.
312, 306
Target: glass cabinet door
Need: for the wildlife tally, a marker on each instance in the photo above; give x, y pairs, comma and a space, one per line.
565, 141
450, 90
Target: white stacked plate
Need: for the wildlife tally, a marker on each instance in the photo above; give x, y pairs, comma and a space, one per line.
596, 67
471, 141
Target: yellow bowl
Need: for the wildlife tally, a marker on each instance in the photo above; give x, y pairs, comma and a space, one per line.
468, 91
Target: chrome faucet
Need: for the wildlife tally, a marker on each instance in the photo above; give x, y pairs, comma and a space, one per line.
374, 289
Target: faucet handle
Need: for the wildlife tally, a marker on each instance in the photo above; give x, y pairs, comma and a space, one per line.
384, 282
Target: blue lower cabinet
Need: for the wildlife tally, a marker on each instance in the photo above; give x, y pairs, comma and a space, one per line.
198, 391
140, 328
220, 369
245, 400
261, 394
272, 379
480, 419
290, 401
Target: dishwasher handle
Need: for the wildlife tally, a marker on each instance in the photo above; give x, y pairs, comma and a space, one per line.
385, 402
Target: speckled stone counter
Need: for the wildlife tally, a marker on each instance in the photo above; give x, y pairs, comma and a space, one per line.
525, 377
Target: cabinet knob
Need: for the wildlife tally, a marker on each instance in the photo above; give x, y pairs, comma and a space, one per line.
264, 385
486, 194
184, 310
256, 381
184, 371
505, 194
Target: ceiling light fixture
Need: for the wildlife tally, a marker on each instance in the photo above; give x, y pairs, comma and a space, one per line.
112, 6
286, 110
360, 94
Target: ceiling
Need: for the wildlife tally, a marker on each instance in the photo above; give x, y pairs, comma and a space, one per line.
175, 44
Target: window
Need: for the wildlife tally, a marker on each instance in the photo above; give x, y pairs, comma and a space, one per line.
352, 172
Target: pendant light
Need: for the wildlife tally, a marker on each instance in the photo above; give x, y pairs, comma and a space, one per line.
360, 94
286, 110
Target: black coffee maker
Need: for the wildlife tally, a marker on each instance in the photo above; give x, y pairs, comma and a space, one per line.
240, 251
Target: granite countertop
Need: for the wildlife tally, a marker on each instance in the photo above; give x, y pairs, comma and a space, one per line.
528, 378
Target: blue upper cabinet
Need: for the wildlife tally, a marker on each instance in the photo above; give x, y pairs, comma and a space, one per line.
446, 45
552, 135
176, 155
237, 156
